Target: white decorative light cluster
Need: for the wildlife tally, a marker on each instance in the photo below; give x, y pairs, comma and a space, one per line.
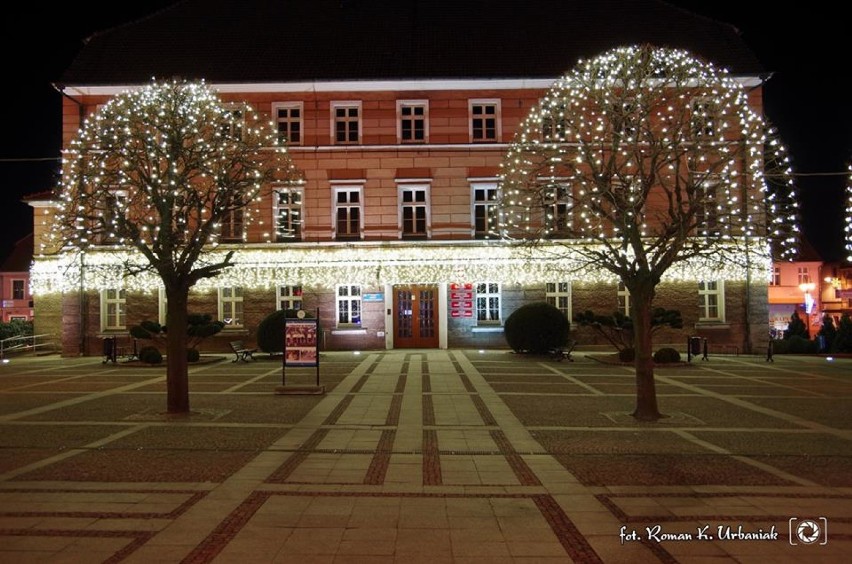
849, 215
323, 267
648, 156
170, 171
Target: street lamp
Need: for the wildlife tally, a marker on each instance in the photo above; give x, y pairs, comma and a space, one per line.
807, 288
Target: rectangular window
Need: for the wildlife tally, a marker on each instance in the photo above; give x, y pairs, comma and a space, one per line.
288, 214
289, 297
413, 121
703, 118
114, 211
623, 299
776, 276
554, 124
233, 121
348, 305
625, 120
711, 300
288, 121
484, 209
488, 303
347, 213
707, 208
113, 309
346, 123
414, 211
558, 294
232, 227
804, 275
231, 307
18, 289
558, 208
484, 121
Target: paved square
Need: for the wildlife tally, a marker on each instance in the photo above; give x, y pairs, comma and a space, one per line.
426, 455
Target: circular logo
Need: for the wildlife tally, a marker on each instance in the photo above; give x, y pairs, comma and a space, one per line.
808, 531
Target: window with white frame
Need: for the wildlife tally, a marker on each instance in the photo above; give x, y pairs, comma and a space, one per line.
488, 303
558, 294
711, 300
113, 309
804, 275
703, 117
232, 226
114, 210
776, 276
289, 297
624, 118
558, 208
414, 210
484, 121
707, 208
18, 289
288, 214
484, 201
413, 121
346, 123
233, 121
348, 305
554, 123
347, 212
623, 299
288, 121
231, 306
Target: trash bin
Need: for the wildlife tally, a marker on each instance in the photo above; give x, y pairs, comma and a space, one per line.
109, 350
695, 346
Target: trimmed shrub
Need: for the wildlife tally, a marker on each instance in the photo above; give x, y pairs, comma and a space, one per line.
150, 355
627, 355
536, 328
192, 355
801, 345
270, 331
666, 355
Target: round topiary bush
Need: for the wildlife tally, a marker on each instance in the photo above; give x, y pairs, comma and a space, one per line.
192, 355
666, 355
150, 355
270, 331
536, 328
627, 355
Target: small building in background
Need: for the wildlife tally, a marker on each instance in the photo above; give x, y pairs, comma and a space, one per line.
17, 302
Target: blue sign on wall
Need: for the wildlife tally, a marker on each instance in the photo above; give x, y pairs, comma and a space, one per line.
373, 297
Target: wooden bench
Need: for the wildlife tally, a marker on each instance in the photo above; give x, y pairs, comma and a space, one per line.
241, 352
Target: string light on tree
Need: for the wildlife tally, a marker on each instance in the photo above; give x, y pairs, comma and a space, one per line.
643, 160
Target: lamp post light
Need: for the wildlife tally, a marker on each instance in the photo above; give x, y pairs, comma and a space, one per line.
807, 288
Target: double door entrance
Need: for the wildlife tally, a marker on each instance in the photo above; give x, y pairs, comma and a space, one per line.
415, 323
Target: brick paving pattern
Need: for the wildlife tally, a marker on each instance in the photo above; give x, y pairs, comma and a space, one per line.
427, 455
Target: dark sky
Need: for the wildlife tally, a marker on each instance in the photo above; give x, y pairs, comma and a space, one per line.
805, 98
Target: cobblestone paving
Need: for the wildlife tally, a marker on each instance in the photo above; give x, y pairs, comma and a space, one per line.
427, 456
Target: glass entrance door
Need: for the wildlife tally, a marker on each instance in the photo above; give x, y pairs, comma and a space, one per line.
415, 316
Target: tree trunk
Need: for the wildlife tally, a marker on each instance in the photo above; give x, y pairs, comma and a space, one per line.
646, 390
177, 376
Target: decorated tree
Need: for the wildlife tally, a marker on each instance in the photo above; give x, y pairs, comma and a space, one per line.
848, 227
645, 164
158, 179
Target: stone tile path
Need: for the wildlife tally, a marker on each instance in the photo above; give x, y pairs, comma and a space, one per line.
426, 456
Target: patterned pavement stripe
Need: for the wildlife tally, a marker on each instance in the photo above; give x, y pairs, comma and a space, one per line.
294, 460
522, 471
381, 460
194, 497
138, 538
431, 458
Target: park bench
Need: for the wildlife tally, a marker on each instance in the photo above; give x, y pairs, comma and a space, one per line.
241, 352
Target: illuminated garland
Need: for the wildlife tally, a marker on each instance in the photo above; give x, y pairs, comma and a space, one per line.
635, 148
849, 215
370, 265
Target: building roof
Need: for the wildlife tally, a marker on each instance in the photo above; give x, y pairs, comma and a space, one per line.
274, 41
20, 257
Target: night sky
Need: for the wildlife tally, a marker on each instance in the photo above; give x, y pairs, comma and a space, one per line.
805, 99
